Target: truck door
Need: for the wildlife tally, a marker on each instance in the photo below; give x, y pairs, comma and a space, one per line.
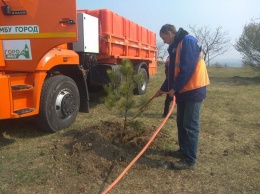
30, 28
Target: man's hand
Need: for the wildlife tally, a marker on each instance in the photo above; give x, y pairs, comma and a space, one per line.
158, 93
171, 93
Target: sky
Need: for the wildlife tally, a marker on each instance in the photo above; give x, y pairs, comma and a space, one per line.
231, 15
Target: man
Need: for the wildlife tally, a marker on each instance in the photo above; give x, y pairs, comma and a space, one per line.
168, 98
187, 80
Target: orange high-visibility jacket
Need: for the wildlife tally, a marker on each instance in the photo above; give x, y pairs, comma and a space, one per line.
200, 75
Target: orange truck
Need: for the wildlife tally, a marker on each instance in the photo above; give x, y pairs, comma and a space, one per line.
50, 53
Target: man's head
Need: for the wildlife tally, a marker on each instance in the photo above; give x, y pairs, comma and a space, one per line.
167, 33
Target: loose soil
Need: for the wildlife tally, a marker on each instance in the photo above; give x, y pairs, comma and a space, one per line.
99, 153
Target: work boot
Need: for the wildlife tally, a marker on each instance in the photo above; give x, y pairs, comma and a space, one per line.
183, 165
176, 154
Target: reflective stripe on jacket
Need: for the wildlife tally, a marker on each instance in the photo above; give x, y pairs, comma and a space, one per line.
200, 76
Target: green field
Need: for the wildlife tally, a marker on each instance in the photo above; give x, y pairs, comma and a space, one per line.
85, 157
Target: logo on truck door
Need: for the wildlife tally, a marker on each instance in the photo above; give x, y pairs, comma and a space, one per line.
17, 50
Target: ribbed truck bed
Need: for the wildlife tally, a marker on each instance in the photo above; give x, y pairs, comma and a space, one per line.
121, 38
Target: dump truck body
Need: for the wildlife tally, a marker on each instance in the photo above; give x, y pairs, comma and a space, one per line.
122, 38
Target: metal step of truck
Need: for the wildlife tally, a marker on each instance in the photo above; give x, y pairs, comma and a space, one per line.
24, 111
22, 87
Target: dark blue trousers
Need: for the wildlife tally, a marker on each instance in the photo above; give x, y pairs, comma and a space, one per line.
188, 123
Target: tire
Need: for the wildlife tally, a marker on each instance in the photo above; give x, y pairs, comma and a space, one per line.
59, 104
141, 88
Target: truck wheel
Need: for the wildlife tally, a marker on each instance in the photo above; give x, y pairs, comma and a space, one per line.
141, 88
59, 103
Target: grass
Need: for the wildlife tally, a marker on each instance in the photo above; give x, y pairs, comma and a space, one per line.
229, 151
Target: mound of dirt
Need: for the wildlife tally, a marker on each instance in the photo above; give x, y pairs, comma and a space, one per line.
93, 152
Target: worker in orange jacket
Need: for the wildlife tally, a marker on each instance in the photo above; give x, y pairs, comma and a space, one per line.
187, 80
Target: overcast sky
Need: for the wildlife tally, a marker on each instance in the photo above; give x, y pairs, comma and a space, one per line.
232, 15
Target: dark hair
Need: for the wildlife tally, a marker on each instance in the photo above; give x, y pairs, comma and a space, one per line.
166, 28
